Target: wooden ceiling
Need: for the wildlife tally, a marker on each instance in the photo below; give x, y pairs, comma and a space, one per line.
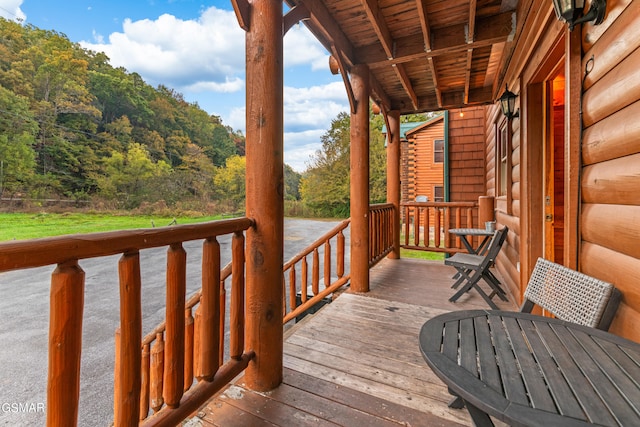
423, 55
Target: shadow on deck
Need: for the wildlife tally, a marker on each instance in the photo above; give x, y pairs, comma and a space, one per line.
356, 362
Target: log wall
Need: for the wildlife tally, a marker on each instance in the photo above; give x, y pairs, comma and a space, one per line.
426, 174
610, 218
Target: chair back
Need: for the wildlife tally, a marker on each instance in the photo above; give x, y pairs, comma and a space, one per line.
571, 295
494, 247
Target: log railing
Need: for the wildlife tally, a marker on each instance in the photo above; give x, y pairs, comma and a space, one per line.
426, 224
159, 374
299, 276
381, 218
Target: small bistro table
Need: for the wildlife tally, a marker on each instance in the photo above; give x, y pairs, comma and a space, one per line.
528, 370
480, 232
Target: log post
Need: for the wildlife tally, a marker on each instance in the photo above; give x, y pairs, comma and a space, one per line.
65, 344
485, 210
393, 179
264, 190
360, 180
128, 352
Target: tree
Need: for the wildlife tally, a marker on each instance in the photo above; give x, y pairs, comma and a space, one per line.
325, 184
17, 136
230, 182
291, 183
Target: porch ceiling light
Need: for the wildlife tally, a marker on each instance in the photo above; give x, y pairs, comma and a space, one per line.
569, 11
508, 103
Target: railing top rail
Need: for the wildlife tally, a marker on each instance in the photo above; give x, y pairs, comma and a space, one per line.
329, 234
380, 206
441, 204
55, 250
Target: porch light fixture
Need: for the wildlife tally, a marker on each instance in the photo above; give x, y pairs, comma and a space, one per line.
569, 11
508, 103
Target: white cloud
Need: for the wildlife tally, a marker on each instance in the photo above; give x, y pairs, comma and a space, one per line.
301, 48
10, 9
202, 54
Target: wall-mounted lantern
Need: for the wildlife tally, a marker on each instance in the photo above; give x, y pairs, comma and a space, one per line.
569, 11
508, 103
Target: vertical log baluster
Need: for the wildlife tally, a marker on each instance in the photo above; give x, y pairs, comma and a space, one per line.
458, 225
470, 219
315, 280
292, 287
407, 219
129, 353
210, 306
174, 345
236, 345
145, 367
447, 225
437, 229
223, 321
327, 264
65, 344
189, 327
197, 341
157, 373
340, 254
427, 227
416, 227
305, 279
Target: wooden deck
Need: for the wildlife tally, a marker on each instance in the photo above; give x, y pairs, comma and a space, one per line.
356, 362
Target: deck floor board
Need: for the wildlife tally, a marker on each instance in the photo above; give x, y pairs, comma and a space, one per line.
356, 362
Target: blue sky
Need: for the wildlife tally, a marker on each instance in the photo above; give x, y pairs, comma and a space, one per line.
197, 48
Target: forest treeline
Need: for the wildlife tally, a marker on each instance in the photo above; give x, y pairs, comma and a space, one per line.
74, 127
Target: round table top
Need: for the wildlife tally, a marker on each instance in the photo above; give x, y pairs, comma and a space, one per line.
531, 370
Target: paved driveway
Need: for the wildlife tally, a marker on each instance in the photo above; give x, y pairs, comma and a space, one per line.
24, 317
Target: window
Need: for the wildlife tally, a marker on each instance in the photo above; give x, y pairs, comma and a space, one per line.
502, 160
438, 193
503, 164
438, 151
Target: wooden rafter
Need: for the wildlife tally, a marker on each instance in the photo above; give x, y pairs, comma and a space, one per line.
378, 94
329, 33
471, 28
345, 78
293, 16
426, 35
242, 9
386, 40
444, 41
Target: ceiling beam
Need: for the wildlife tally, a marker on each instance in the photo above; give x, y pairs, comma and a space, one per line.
489, 30
386, 40
471, 29
426, 37
327, 30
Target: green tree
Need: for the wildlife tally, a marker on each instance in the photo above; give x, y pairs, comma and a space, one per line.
325, 185
17, 136
229, 182
291, 183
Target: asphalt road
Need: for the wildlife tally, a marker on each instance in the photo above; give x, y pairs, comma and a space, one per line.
24, 320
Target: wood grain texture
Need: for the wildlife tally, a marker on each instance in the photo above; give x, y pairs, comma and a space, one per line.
356, 362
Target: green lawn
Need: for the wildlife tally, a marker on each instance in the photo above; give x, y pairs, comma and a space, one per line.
408, 253
20, 226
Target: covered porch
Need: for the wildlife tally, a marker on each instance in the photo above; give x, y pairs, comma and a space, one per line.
356, 362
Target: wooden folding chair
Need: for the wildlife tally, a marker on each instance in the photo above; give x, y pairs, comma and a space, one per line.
472, 268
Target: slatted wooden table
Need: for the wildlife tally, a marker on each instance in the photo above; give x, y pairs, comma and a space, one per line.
529, 370
478, 232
